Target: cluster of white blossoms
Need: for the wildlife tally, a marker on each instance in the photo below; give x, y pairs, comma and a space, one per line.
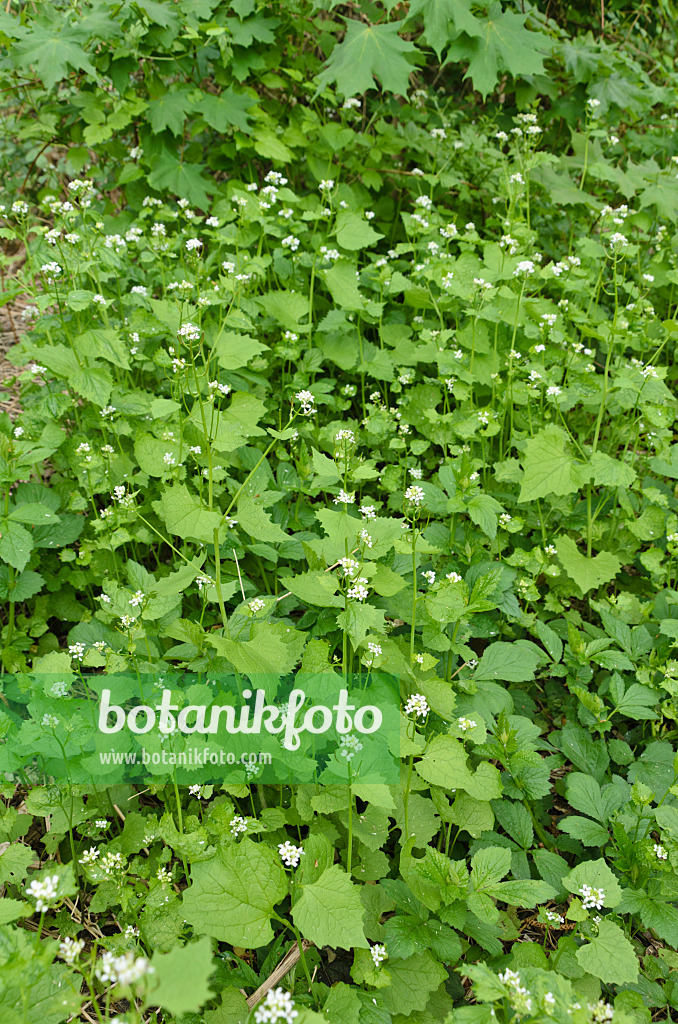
257, 604
290, 854
44, 891
429, 576
277, 1006
379, 954
125, 970
349, 746
349, 566
415, 495
519, 997
238, 824
374, 649
344, 498
600, 1011
49, 721
591, 897
466, 723
358, 590
659, 852
417, 705
70, 949
306, 401
190, 331
454, 577
344, 437
555, 918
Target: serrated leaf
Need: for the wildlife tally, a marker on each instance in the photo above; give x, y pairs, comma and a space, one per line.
587, 573
229, 109
513, 663
233, 894
54, 54
369, 53
609, 956
438, 15
329, 911
550, 467
180, 978
354, 232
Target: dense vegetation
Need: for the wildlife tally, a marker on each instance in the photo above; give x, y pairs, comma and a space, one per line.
350, 335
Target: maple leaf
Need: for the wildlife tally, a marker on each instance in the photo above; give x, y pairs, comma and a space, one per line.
503, 44
54, 54
368, 52
437, 16
228, 109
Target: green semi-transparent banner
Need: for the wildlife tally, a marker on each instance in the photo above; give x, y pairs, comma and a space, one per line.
195, 729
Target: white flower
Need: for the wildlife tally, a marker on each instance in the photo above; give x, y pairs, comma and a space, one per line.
99, 299
90, 856
277, 1006
125, 970
592, 103
429, 576
290, 242
344, 498
414, 495
344, 437
195, 449
131, 932
137, 598
419, 658
169, 459
415, 473
649, 278
326, 185
349, 566
50, 721
18, 432
256, 604
368, 512
70, 949
557, 919
164, 876
349, 746
438, 133
139, 289
554, 390
525, 267
660, 852
374, 649
307, 402
51, 270
195, 790
466, 723
379, 954
44, 892
417, 705
358, 592
290, 855
76, 651
618, 241
127, 620
592, 897
238, 824
329, 254
505, 518
190, 331
223, 389
193, 244
454, 577
59, 689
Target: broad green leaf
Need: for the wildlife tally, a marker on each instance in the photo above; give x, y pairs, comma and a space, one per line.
444, 763
258, 523
34, 514
329, 911
588, 832
354, 232
233, 894
180, 981
609, 956
54, 53
93, 383
611, 472
103, 344
314, 588
367, 53
184, 515
502, 43
412, 982
271, 647
513, 663
236, 350
550, 467
170, 110
180, 178
342, 284
597, 875
287, 308
324, 466
16, 544
587, 573
227, 110
439, 15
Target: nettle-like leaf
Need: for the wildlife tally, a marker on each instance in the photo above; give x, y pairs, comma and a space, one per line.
233, 894
329, 911
587, 573
550, 467
369, 52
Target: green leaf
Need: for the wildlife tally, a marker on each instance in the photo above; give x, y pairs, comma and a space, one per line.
181, 179
329, 911
444, 764
287, 308
514, 663
502, 43
314, 588
360, 619
53, 54
596, 874
93, 383
16, 544
588, 832
412, 982
273, 647
180, 982
324, 466
342, 284
233, 894
237, 350
550, 467
170, 111
367, 53
184, 515
354, 232
438, 15
103, 344
516, 821
611, 472
609, 956
227, 110
34, 513
255, 521
587, 573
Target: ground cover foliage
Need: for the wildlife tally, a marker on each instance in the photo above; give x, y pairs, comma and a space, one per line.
350, 346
